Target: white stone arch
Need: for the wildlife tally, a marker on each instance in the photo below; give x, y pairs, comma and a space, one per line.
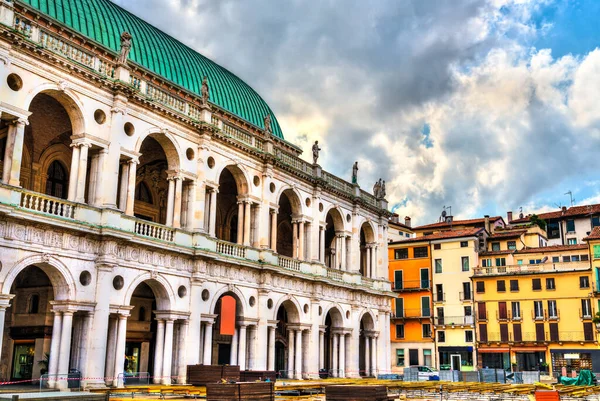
67, 98
337, 215
240, 175
294, 315
366, 313
59, 274
295, 201
337, 315
370, 231
59, 152
241, 299
167, 141
160, 286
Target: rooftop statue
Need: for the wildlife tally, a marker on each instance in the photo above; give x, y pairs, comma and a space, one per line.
268, 124
125, 48
315, 150
355, 173
205, 92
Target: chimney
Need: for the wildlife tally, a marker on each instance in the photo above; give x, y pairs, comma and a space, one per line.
395, 218
564, 209
509, 216
487, 223
407, 221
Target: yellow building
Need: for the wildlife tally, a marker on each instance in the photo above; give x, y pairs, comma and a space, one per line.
536, 311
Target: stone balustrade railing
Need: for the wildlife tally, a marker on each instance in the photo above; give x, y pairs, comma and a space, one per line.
334, 274
231, 249
153, 230
47, 204
338, 183
289, 263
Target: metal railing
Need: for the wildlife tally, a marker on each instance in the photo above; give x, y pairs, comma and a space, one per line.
231, 249
439, 297
534, 268
465, 296
140, 378
412, 313
454, 320
412, 285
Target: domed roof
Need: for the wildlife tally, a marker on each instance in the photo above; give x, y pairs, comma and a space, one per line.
103, 22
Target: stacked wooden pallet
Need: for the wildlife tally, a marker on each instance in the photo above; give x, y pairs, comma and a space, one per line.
255, 375
200, 375
356, 393
258, 391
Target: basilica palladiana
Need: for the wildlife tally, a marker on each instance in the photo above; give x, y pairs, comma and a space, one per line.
142, 185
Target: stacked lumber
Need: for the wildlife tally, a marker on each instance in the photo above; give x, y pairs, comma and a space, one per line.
256, 375
356, 393
200, 375
257, 391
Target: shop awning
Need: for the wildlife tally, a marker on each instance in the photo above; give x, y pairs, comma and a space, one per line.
493, 350
528, 349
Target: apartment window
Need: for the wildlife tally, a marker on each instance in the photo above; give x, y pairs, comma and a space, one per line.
566, 259
575, 258
595, 221
483, 337
488, 262
584, 258
427, 357
554, 332
438, 265
466, 295
399, 357
586, 308
425, 278
495, 246
588, 332
519, 262
425, 308
512, 245
437, 247
501, 286
426, 330
514, 285
570, 226
552, 311
555, 259
502, 312
500, 262
504, 333
540, 335
399, 307
413, 357
401, 253
441, 336
596, 251
584, 282
538, 310
421, 252
553, 230
550, 285
464, 244
517, 335
439, 293
536, 284
465, 263
481, 311
469, 336
440, 316
516, 310
399, 331
398, 280
480, 287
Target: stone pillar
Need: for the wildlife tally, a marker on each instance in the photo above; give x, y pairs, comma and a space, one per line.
168, 351
247, 207
131, 178
82, 172
298, 368
110, 346
368, 261
123, 184
191, 201
2, 315
207, 357
54, 349
65, 347
322, 245
182, 351
334, 364
290, 367
242, 349
240, 225
170, 200
348, 258
308, 242
301, 240
295, 239
213, 212
373, 355
85, 343
321, 349
14, 151
72, 193
93, 178
251, 362
274, 230
233, 358
342, 353
271, 349
159, 351
367, 356
343, 265
120, 351
177, 202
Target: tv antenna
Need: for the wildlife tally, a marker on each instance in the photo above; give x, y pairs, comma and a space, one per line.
446, 213
571, 197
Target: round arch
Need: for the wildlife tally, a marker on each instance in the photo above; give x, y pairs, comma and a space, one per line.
67, 98
369, 230
292, 308
160, 286
337, 316
234, 292
294, 197
367, 319
58, 273
337, 216
168, 143
239, 175
55, 152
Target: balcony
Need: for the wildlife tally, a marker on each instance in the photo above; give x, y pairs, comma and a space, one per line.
465, 296
412, 285
413, 314
452, 321
531, 269
439, 297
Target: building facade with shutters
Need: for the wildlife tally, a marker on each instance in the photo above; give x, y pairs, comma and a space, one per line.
144, 189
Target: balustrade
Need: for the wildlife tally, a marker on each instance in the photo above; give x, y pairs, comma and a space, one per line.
334, 274
67, 50
228, 248
22, 25
289, 263
165, 98
153, 230
47, 204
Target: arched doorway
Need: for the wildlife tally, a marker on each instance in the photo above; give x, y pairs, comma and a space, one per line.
366, 346
152, 185
235, 214
289, 231
230, 343
333, 353
288, 362
367, 251
335, 241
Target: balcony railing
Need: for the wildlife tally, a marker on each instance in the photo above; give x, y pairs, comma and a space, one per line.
153, 230
439, 297
289, 263
412, 285
413, 314
335, 274
528, 269
454, 320
46, 204
228, 248
465, 296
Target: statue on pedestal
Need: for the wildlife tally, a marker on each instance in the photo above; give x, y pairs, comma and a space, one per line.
205, 92
268, 124
315, 150
355, 173
125, 48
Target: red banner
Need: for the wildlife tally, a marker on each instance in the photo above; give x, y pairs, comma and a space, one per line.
227, 315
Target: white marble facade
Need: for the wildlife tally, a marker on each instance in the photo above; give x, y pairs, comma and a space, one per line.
102, 273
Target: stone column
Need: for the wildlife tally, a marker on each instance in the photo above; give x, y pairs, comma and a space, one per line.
308, 241
348, 258
367, 356
274, 230
207, 357
54, 349
334, 364
251, 363
123, 184
131, 178
271, 349
182, 351
242, 345
322, 245
301, 240
343, 265
73, 174
65, 347
120, 351
247, 206
170, 200
368, 261
82, 172
290, 367
240, 223
295, 239
2, 315
233, 358
321, 349
110, 346
191, 201
342, 353
93, 179
85, 343
159, 351
177, 202
298, 368
168, 352
96, 182
14, 149
373, 356
213, 212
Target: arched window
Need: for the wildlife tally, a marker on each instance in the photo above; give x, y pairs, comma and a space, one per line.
34, 304
142, 193
58, 180
142, 316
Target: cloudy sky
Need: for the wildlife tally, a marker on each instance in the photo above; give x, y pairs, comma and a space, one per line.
482, 105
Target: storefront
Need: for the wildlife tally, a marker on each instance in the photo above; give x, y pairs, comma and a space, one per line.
456, 358
530, 359
575, 359
493, 358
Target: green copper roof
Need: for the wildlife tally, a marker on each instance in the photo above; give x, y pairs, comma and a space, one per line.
103, 21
